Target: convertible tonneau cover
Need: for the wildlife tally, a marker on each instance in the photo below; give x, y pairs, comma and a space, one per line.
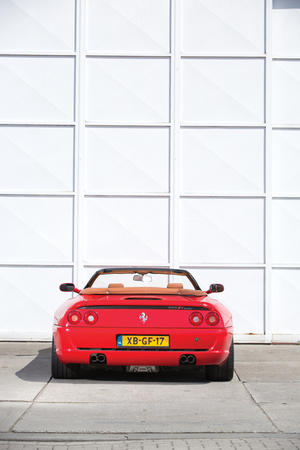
142, 290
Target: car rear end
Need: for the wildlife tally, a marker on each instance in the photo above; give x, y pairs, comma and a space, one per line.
142, 331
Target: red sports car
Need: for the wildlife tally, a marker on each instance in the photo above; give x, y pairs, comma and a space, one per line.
143, 320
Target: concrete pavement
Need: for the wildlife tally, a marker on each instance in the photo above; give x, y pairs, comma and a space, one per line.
260, 408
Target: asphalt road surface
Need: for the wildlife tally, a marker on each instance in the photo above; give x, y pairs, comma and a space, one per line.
259, 408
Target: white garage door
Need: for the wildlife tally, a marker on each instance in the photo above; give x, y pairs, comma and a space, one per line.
159, 133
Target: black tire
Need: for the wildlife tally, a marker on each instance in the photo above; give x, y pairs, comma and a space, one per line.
60, 370
222, 373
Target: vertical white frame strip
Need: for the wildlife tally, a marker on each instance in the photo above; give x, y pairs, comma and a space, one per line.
79, 140
175, 133
268, 173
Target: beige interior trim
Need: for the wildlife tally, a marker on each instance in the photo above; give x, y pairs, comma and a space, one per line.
142, 290
175, 285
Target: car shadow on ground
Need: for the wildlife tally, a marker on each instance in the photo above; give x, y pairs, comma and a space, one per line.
39, 370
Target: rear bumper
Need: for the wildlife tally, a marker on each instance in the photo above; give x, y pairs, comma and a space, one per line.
76, 345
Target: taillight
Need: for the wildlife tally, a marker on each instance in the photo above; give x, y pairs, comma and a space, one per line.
196, 318
90, 317
212, 318
74, 317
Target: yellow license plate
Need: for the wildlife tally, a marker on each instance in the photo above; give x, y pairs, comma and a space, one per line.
143, 341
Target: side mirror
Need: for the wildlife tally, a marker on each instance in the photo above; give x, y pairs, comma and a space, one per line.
67, 287
216, 288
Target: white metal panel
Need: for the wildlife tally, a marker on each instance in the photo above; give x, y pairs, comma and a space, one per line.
137, 85
286, 92
33, 26
141, 26
36, 89
286, 27
127, 160
30, 297
124, 90
286, 226
230, 27
125, 230
36, 229
222, 231
286, 305
286, 162
36, 159
222, 160
243, 295
222, 90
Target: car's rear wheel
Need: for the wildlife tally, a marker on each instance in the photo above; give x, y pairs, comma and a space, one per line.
60, 370
222, 373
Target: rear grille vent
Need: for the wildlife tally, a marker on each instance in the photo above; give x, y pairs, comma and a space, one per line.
167, 307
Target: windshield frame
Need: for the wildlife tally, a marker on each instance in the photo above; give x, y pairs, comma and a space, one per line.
143, 271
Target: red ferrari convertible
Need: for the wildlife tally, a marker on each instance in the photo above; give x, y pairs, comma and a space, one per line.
143, 320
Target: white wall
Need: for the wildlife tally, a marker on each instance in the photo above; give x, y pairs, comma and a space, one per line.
151, 132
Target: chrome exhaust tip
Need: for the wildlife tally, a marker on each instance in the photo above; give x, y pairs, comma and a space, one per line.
187, 359
191, 359
93, 358
99, 358
182, 359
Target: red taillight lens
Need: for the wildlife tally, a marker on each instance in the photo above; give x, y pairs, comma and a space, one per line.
90, 317
196, 319
212, 318
74, 317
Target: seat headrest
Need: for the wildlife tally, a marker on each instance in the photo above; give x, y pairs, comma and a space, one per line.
175, 285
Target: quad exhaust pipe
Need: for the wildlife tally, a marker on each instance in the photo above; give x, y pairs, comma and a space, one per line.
187, 359
99, 358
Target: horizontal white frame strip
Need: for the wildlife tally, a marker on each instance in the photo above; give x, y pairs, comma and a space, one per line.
222, 125
127, 55
218, 195
126, 124
119, 195
41, 264
282, 58
127, 265
126, 194
285, 197
227, 55
37, 53
37, 124
37, 194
